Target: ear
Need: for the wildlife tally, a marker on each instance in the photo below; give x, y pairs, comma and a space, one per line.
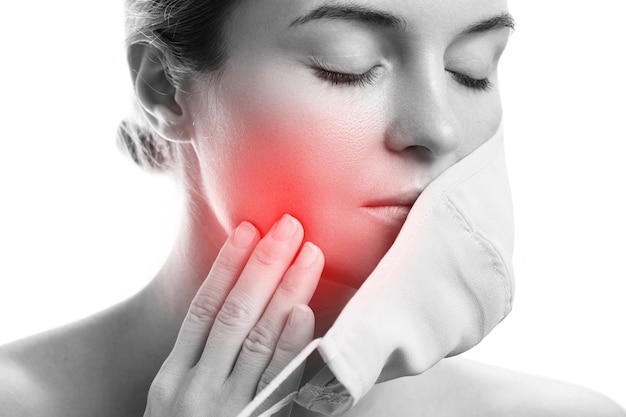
160, 101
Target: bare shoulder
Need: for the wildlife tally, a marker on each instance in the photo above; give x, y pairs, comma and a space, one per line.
21, 394
492, 391
53, 373
91, 367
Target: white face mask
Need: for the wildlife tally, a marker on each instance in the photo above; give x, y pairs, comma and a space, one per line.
445, 283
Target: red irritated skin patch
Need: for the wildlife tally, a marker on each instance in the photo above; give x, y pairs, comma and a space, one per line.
319, 162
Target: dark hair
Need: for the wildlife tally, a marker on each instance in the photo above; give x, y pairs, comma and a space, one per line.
190, 37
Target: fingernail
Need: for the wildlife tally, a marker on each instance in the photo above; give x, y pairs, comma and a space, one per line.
298, 315
244, 235
308, 255
285, 228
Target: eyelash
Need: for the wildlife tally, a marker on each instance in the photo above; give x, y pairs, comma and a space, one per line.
339, 78
469, 82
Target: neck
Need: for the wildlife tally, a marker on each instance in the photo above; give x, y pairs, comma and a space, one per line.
171, 291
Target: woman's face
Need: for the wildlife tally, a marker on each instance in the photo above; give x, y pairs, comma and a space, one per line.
340, 113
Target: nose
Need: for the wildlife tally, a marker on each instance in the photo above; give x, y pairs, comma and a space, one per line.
423, 116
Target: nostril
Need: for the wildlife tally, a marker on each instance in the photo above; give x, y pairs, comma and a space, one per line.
422, 155
442, 140
427, 136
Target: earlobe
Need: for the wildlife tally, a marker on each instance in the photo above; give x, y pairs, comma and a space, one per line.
159, 100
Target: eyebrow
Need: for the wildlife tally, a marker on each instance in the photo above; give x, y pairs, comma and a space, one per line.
501, 21
357, 13
352, 13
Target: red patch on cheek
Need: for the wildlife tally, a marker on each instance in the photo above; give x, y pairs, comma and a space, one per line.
275, 175
283, 169
288, 157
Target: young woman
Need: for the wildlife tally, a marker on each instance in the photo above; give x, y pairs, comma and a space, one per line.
283, 119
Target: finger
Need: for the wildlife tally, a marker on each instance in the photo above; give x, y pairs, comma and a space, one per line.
297, 287
298, 332
247, 300
196, 326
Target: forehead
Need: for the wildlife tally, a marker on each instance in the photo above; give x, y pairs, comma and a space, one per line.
440, 19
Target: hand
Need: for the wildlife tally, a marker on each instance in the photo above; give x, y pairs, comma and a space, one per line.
247, 321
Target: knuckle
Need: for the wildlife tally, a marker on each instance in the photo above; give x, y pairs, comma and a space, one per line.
165, 393
289, 290
265, 256
161, 390
226, 265
260, 340
187, 401
203, 309
232, 314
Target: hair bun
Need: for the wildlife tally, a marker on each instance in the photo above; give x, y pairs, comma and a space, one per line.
146, 148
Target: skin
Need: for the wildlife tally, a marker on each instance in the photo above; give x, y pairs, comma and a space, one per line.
213, 326
271, 118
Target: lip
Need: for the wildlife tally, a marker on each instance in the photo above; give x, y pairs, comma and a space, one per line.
393, 209
389, 214
407, 198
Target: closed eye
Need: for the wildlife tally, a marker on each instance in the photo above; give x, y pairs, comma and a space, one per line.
469, 82
340, 78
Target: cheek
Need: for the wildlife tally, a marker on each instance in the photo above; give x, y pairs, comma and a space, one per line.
313, 163
479, 115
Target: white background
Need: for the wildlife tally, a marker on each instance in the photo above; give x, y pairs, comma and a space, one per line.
81, 227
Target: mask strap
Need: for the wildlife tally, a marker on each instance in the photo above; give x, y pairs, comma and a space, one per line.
279, 405
275, 384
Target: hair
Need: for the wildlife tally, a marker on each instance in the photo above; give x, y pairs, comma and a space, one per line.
190, 37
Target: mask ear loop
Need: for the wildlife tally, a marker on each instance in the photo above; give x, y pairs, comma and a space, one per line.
279, 405
275, 384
